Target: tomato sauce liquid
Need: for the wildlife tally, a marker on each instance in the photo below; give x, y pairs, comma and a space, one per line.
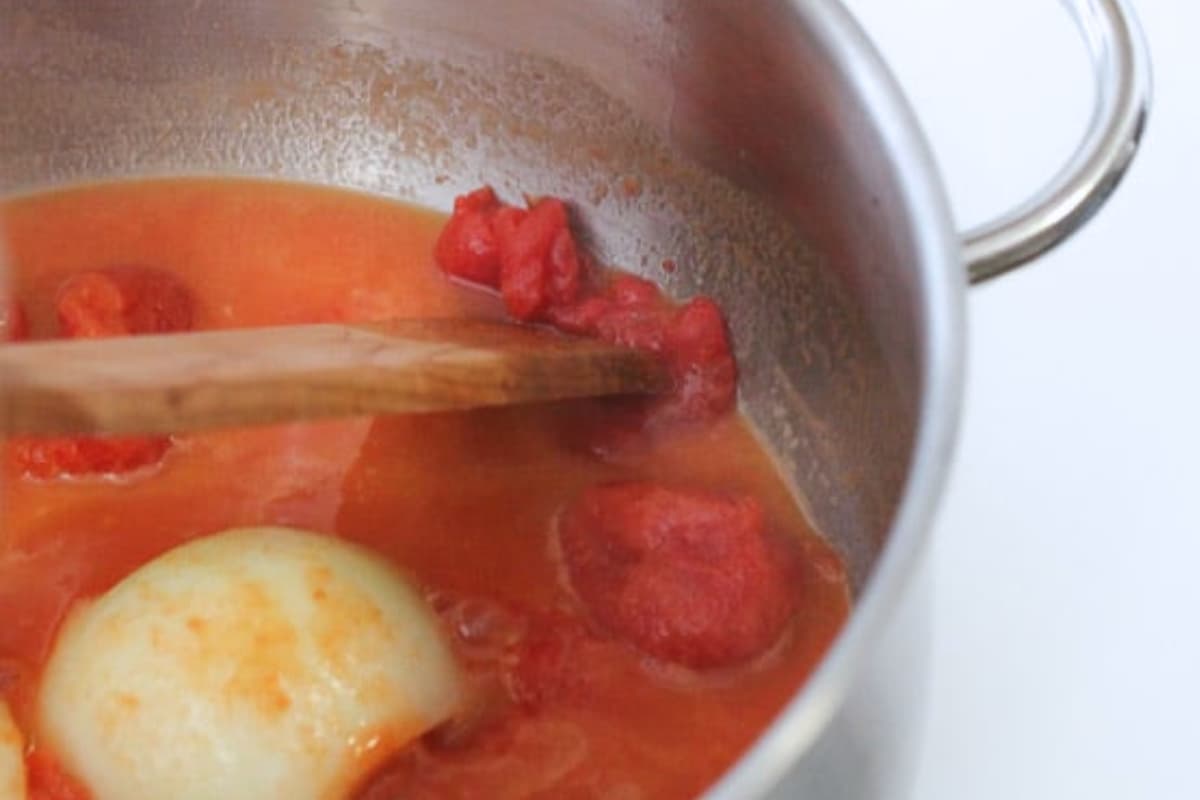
466, 502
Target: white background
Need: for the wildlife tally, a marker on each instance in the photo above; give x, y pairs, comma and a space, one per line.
1067, 550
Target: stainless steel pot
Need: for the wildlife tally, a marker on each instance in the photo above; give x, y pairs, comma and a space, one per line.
760, 145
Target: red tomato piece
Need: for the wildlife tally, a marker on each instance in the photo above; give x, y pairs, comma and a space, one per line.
533, 655
692, 339
116, 301
566, 270
47, 781
49, 458
113, 301
688, 577
505, 223
702, 364
14, 325
582, 318
636, 326
630, 291
468, 246
539, 262
532, 257
546, 663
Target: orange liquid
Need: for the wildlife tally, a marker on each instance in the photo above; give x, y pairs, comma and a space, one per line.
464, 502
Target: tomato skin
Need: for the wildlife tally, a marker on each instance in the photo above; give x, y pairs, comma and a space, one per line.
688, 577
112, 301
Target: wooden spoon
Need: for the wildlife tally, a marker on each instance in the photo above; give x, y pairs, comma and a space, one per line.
190, 381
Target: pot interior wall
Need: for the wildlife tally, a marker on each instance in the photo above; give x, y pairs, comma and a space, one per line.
724, 141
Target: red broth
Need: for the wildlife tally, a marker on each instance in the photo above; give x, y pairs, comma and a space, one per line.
466, 503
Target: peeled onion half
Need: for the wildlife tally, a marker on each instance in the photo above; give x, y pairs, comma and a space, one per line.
256, 663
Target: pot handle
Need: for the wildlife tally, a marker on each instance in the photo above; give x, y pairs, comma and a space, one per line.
1123, 90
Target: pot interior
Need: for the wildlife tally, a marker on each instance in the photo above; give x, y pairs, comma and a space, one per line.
725, 142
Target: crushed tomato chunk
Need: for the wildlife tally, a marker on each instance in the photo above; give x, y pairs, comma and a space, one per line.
113, 301
14, 325
123, 300
544, 667
686, 576
531, 655
532, 258
530, 255
55, 457
469, 246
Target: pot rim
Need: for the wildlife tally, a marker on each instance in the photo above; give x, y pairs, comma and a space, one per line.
941, 283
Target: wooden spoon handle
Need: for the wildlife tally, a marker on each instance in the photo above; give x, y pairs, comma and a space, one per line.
191, 381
